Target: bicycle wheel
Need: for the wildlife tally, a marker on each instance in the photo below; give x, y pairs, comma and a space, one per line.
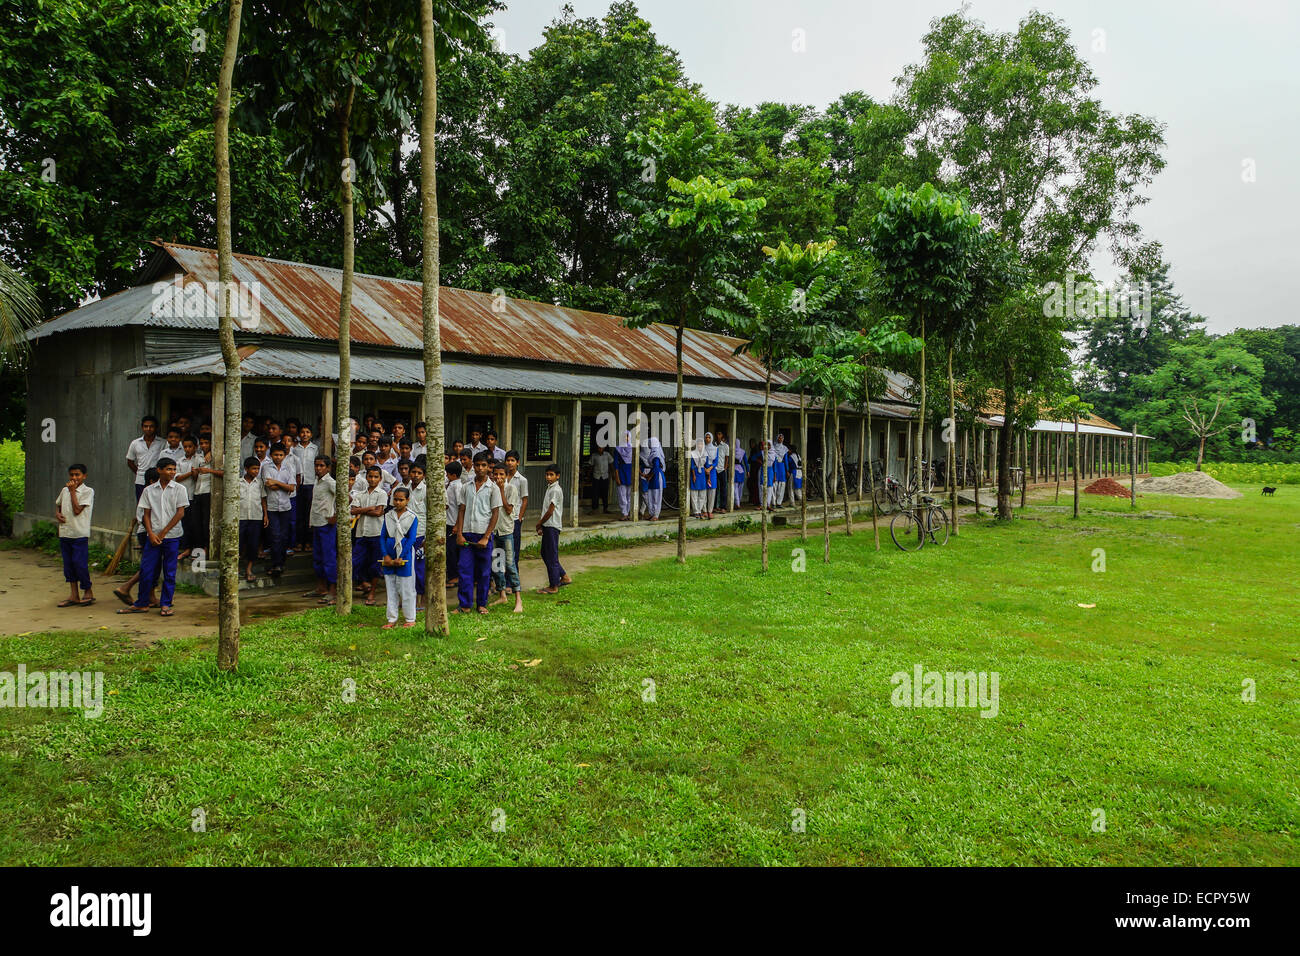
938, 526
905, 529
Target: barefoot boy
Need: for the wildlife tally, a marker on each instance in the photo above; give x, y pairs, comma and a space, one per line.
504, 568
72, 511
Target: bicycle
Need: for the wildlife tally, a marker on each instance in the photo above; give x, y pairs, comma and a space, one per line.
889, 494
916, 524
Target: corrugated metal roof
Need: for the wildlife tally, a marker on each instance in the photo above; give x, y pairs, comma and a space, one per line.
1045, 425
131, 307
302, 301
294, 364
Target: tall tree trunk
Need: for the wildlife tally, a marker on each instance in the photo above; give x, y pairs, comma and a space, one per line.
762, 463
683, 500
435, 544
1006, 445
803, 463
1200, 454
919, 454
871, 475
952, 445
342, 502
841, 477
1057, 468
228, 595
826, 494
1076, 466
979, 464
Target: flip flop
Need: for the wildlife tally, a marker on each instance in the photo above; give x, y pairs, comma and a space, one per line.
132, 610
86, 603
166, 612
325, 599
68, 602
124, 598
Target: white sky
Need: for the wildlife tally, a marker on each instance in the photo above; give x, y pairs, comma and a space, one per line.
1224, 77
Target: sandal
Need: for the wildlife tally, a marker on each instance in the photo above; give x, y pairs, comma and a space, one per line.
122, 596
87, 603
68, 602
166, 612
132, 610
325, 599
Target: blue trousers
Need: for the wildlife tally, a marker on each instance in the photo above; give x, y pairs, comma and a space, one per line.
281, 527
158, 558
76, 561
475, 571
551, 555
324, 552
420, 569
302, 532
518, 536
365, 559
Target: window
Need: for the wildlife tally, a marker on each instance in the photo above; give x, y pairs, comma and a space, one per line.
902, 443
884, 451
539, 449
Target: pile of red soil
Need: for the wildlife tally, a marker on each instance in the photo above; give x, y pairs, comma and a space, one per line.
1107, 486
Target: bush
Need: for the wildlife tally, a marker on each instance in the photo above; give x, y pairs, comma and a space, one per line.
1236, 473
12, 463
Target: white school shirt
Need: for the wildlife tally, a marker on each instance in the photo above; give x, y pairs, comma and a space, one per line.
724, 451
386, 482
202, 483
251, 494
498, 453
369, 526
277, 499
144, 456
77, 525
163, 503
418, 448
506, 522
475, 449
176, 454
186, 465
553, 496
600, 464
521, 483
306, 455
322, 502
452, 490
246, 446
416, 501
478, 503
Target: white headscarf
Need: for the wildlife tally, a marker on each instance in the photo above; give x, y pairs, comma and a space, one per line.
646, 453
710, 449
779, 449
657, 450
697, 453
625, 450
769, 454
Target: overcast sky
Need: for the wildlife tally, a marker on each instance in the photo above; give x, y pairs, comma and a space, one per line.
1222, 76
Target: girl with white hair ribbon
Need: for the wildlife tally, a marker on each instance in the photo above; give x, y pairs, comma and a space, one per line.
623, 476
699, 479
710, 474
779, 451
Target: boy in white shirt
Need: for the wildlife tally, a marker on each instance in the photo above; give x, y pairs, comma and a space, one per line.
480, 510
163, 506
280, 480
253, 517
72, 510
548, 526
143, 452
188, 476
600, 463
451, 490
324, 532
305, 452
516, 477
506, 570
369, 507
421, 444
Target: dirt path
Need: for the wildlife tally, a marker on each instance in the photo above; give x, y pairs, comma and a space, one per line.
33, 584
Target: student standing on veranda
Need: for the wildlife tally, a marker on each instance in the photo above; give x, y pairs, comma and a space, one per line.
480, 510
202, 502
72, 511
623, 476
163, 505
739, 471
548, 527
253, 519
600, 462
699, 479
281, 480
451, 491
323, 522
143, 452
711, 464
654, 471
306, 451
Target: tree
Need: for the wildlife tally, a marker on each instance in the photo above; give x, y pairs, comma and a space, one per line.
1074, 409
20, 310
693, 235
228, 595
1207, 388
776, 307
462, 25
924, 244
1014, 117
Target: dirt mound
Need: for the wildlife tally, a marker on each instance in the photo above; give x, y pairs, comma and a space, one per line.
1107, 486
1189, 484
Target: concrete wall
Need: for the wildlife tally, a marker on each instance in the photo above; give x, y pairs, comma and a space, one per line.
76, 381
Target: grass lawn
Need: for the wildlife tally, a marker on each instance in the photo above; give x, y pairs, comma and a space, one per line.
772, 695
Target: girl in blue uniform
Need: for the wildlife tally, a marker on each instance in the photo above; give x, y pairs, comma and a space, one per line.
699, 479
652, 471
779, 451
794, 468
710, 474
623, 475
739, 471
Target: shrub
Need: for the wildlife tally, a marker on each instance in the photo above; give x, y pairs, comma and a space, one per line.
1236, 473
12, 462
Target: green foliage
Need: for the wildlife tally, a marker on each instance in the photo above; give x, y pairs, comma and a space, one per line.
1261, 473
12, 481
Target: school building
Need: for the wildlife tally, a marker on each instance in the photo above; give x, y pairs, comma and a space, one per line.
540, 375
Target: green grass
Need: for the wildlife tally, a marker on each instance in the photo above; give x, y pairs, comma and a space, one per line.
772, 694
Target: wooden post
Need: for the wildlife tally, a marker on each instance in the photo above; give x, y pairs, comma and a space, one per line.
889, 447
215, 500
862, 450
508, 424
635, 490
327, 444
575, 501
730, 475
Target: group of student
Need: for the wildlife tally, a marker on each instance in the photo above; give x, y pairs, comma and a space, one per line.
288, 502
769, 471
